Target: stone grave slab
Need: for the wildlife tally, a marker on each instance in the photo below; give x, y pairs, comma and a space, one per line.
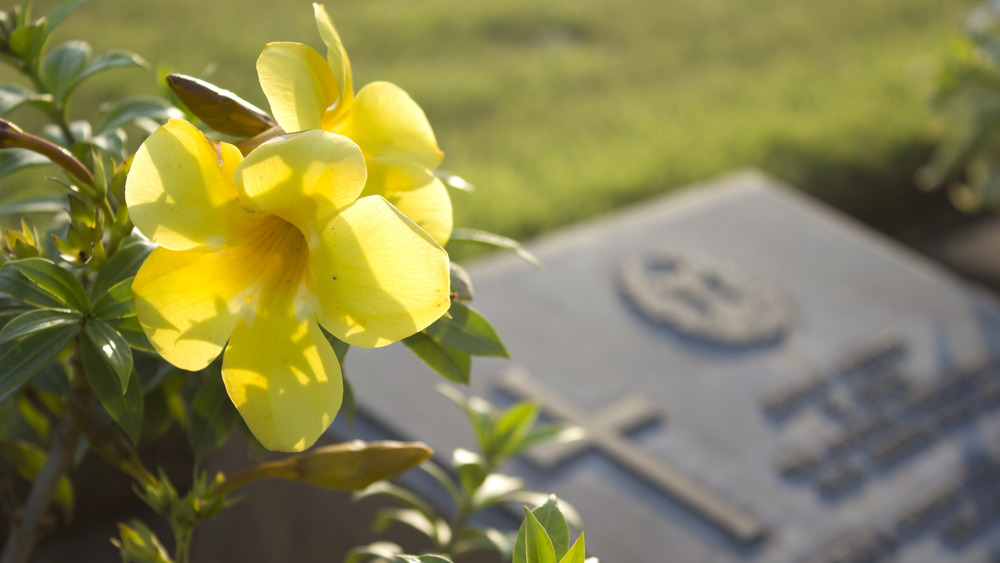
761, 379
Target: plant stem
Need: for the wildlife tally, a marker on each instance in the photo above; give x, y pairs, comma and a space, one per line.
24, 532
182, 536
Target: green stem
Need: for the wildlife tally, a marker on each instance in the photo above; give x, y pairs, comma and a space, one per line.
270, 470
24, 532
183, 533
463, 511
12, 136
458, 522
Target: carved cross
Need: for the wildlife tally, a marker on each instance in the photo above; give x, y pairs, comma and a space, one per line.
604, 434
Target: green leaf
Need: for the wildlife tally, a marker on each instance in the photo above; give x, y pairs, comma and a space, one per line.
10, 308
52, 379
134, 109
62, 68
461, 284
465, 330
422, 559
454, 181
21, 288
537, 544
407, 516
111, 142
577, 553
38, 320
46, 206
125, 409
11, 422
13, 96
348, 407
513, 425
113, 348
122, 264
58, 283
448, 363
471, 469
443, 479
12, 160
59, 13
30, 414
211, 418
139, 544
554, 523
24, 358
478, 411
385, 550
490, 239
397, 493
115, 58
132, 332
473, 538
340, 347
28, 460
26, 42
495, 489
535, 498
549, 434
117, 302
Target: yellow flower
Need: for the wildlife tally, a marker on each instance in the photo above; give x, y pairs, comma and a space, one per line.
261, 252
306, 91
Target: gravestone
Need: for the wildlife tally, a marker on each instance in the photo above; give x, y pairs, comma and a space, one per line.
760, 380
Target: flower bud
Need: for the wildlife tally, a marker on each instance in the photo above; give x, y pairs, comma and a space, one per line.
220, 109
23, 243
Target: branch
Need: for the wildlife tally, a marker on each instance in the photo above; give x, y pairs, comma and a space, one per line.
24, 531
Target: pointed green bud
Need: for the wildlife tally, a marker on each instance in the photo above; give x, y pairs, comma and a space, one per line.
23, 243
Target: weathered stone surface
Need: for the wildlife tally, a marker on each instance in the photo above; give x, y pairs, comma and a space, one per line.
882, 374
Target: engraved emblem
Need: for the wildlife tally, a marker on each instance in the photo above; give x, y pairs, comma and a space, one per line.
712, 302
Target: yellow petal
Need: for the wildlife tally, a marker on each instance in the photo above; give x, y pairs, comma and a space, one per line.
283, 377
376, 276
180, 190
336, 57
298, 84
303, 177
189, 302
385, 121
415, 192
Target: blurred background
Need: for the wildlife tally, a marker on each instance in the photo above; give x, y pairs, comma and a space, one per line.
562, 110
565, 109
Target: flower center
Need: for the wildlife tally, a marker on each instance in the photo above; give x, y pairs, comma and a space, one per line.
278, 256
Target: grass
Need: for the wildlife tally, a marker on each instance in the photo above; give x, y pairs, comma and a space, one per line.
561, 110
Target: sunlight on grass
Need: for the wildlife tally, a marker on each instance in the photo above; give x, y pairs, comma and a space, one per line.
561, 110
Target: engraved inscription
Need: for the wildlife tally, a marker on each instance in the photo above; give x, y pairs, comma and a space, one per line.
859, 547
837, 480
920, 516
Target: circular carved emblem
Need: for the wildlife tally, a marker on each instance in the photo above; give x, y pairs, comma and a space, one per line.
709, 301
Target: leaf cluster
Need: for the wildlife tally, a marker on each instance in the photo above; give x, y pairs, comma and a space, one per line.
966, 96
473, 485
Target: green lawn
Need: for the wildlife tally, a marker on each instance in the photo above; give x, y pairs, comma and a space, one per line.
563, 109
